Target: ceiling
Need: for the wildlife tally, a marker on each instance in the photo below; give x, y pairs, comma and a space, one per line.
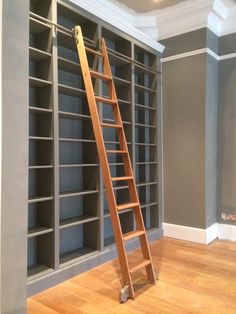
142, 6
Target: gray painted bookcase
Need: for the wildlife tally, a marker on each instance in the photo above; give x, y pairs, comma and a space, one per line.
69, 226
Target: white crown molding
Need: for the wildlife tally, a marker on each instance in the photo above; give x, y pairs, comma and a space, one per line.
118, 18
204, 236
218, 15
181, 18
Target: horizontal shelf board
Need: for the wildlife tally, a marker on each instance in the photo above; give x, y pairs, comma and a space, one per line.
118, 54
41, 167
37, 27
144, 88
115, 143
144, 205
146, 183
142, 107
77, 165
145, 125
146, 163
40, 138
116, 164
119, 81
70, 222
38, 55
68, 65
71, 91
36, 271
73, 115
76, 255
39, 110
65, 40
117, 60
37, 82
141, 68
145, 144
75, 193
78, 140
34, 232
124, 102
111, 120
37, 199
123, 187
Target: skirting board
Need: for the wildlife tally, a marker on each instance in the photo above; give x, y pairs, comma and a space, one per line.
191, 234
204, 236
227, 232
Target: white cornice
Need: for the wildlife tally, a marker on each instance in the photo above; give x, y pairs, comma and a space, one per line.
217, 15
118, 18
181, 18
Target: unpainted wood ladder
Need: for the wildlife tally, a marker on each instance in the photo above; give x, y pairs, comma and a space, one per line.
98, 125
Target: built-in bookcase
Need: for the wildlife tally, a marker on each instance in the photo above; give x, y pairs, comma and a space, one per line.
68, 216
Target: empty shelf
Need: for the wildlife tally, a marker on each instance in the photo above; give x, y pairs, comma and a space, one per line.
69, 66
75, 193
73, 115
144, 89
36, 82
37, 27
33, 232
77, 165
39, 110
144, 205
74, 221
78, 254
71, 91
38, 55
37, 199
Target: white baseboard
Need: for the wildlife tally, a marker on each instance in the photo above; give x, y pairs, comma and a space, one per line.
227, 232
191, 234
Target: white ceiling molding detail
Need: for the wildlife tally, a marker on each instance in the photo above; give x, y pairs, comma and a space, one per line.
118, 18
218, 15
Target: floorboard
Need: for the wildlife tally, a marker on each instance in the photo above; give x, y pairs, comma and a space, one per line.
192, 278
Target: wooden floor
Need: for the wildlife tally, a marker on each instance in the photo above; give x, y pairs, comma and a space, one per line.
193, 278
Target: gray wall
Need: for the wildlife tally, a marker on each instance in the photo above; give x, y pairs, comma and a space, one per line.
227, 128
14, 156
184, 147
190, 129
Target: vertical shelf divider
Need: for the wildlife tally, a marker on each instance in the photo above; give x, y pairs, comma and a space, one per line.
56, 136
101, 189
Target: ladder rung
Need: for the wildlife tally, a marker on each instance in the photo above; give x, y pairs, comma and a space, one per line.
100, 75
133, 234
139, 265
122, 178
94, 52
106, 100
112, 151
110, 125
127, 206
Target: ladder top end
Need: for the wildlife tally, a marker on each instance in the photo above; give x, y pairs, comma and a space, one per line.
75, 31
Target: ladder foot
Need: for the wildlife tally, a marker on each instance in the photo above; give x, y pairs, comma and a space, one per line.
124, 294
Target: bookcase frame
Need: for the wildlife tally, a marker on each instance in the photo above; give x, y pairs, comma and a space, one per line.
69, 227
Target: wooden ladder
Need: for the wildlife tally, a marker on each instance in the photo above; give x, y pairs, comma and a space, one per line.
98, 125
